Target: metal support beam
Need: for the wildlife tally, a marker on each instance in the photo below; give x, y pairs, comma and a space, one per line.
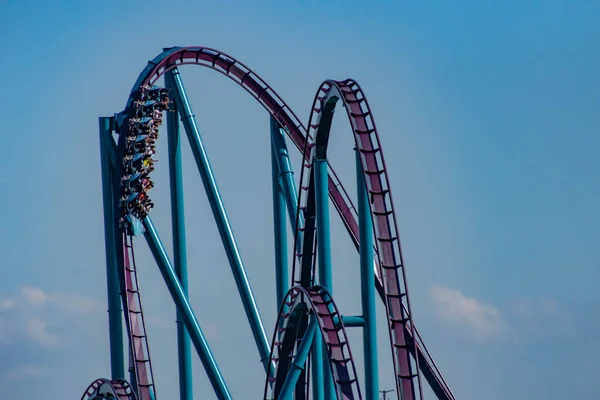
317, 368
286, 173
350, 321
179, 243
324, 256
117, 236
365, 225
218, 209
115, 316
279, 220
185, 310
287, 390
323, 234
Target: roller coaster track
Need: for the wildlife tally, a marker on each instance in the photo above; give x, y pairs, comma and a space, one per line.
389, 270
136, 327
291, 325
118, 389
377, 183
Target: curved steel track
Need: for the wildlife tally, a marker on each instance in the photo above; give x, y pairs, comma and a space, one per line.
382, 207
291, 325
100, 388
389, 267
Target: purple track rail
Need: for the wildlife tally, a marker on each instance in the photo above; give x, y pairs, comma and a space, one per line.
136, 327
389, 250
388, 284
317, 300
118, 388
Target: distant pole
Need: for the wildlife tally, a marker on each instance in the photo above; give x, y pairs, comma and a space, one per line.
385, 392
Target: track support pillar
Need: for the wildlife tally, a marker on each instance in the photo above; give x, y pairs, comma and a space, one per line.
185, 310
115, 311
221, 219
179, 243
317, 368
279, 218
365, 224
287, 390
286, 173
324, 257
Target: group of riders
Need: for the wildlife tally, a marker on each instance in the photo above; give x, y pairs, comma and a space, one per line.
140, 146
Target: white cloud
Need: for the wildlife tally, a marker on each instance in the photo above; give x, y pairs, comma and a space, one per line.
42, 317
522, 319
64, 301
34, 296
482, 320
37, 331
77, 304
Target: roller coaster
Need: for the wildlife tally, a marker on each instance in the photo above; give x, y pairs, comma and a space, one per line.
309, 354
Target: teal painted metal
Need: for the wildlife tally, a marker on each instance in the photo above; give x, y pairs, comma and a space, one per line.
317, 368
288, 187
218, 209
179, 243
286, 180
279, 220
351, 321
117, 236
286, 173
359, 112
323, 235
185, 309
297, 366
324, 255
365, 225
115, 316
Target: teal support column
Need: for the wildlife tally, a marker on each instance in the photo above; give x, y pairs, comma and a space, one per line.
323, 234
323, 257
350, 321
185, 310
365, 224
297, 366
286, 179
317, 368
115, 316
218, 208
286, 173
279, 220
179, 242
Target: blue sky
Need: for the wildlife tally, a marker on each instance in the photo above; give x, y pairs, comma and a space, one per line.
488, 114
